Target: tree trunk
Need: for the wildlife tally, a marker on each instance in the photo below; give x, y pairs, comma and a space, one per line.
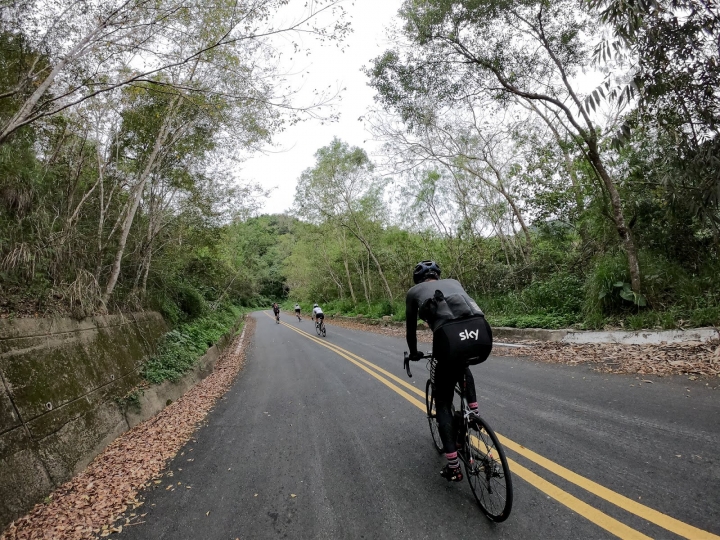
501, 236
369, 277
587, 134
382, 275
359, 236
516, 211
569, 168
347, 270
139, 189
21, 116
143, 291
619, 218
377, 265
361, 271
335, 278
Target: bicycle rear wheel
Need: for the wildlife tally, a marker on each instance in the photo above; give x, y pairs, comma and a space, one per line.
317, 328
324, 332
487, 471
431, 416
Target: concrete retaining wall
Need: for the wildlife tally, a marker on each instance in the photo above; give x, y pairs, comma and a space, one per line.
61, 382
155, 398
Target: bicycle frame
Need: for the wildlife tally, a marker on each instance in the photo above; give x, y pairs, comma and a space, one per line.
464, 454
481, 453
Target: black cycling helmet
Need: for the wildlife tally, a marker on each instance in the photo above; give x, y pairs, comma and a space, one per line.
424, 270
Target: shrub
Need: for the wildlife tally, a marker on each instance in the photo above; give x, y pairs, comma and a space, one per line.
180, 348
561, 293
190, 301
549, 320
664, 284
601, 295
167, 308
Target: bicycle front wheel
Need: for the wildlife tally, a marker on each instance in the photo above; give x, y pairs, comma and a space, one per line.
487, 471
431, 415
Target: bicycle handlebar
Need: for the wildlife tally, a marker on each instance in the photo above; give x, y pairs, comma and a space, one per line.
406, 364
406, 361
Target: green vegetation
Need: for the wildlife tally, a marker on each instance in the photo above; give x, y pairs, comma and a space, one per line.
118, 188
131, 401
567, 269
555, 201
187, 342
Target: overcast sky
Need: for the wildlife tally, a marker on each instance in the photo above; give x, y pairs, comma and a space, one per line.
327, 66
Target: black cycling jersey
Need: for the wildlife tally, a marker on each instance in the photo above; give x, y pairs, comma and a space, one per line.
424, 291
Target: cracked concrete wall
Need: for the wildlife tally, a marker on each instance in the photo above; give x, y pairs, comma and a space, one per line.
59, 382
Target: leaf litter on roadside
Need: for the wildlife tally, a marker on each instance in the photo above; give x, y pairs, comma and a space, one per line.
690, 358
89, 505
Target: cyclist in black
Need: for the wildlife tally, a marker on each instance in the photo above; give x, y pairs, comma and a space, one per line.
276, 310
428, 300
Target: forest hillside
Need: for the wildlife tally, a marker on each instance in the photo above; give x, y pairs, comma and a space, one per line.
561, 159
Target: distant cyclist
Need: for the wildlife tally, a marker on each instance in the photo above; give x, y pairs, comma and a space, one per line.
317, 314
460, 337
297, 311
276, 311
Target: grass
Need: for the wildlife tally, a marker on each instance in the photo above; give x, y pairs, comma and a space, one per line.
181, 348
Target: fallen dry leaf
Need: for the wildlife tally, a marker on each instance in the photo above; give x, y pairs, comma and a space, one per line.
702, 359
88, 505
693, 359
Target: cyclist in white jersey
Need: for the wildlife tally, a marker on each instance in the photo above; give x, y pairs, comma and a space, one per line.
317, 313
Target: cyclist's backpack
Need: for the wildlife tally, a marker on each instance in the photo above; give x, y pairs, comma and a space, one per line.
462, 335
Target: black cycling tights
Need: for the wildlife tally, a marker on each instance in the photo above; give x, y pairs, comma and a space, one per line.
446, 376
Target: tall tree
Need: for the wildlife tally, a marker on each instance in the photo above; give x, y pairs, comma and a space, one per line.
530, 50
341, 190
95, 47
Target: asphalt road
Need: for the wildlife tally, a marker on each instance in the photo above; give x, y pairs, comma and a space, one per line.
308, 444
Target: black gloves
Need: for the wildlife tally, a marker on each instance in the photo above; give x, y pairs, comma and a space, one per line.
417, 355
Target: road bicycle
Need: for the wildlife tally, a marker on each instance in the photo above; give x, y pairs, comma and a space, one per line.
480, 451
277, 319
298, 316
320, 327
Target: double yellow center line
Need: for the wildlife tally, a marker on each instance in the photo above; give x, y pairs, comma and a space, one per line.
594, 515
